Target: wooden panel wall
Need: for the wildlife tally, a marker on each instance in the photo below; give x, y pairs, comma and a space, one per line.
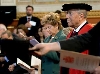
93, 17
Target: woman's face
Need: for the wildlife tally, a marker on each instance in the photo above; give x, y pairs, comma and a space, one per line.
51, 29
45, 32
40, 32
20, 32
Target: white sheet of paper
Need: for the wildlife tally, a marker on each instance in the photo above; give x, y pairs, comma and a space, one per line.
32, 23
35, 61
36, 72
23, 63
75, 60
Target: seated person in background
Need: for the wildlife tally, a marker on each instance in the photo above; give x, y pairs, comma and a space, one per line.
63, 20
3, 65
13, 49
31, 22
6, 35
22, 32
43, 33
2, 28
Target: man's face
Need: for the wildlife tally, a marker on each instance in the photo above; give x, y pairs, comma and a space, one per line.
50, 28
1, 31
73, 18
5, 36
29, 11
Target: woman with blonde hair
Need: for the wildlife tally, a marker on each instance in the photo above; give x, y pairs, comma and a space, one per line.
52, 24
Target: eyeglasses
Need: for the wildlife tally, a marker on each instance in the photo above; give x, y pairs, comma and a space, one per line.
49, 27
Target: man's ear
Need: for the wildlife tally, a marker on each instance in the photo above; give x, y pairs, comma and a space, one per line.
81, 15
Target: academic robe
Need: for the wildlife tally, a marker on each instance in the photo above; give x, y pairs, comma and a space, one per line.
89, 40
85, 28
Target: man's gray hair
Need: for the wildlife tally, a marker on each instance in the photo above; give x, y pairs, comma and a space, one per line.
3, 27
84, 12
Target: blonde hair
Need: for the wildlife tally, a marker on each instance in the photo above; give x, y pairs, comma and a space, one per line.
52, 19
67, 30
7, 32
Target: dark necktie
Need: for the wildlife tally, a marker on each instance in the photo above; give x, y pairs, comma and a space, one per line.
74, 33
28, 19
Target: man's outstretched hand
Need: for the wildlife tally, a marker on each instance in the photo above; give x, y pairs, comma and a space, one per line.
43, 48
96, 71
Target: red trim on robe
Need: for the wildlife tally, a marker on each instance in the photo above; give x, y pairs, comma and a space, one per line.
83, 30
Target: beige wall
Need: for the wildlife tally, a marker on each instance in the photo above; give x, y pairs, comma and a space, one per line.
46, 5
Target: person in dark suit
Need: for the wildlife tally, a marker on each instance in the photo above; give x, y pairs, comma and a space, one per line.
31, 22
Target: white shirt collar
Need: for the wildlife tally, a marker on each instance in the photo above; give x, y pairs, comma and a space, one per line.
76, 30
29, 16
